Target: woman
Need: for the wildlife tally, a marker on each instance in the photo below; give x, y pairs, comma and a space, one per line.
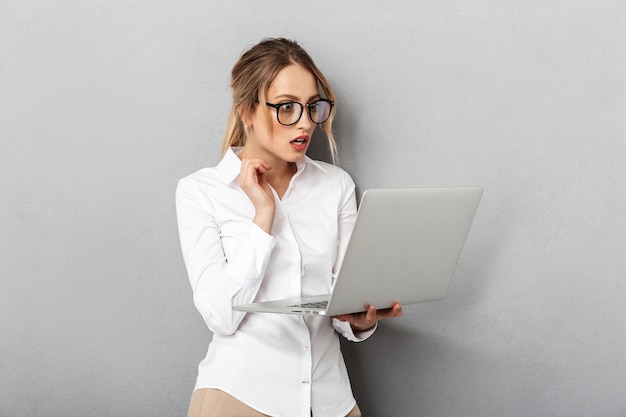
270, 223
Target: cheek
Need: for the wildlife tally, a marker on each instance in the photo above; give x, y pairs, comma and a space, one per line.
279, 132
262, 128
270, 124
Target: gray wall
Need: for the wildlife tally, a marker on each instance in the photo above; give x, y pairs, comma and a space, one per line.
105, 104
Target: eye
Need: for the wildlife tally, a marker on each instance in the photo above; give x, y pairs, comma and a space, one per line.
287, 107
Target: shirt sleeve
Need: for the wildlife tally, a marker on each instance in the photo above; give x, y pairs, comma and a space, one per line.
347, 218
218, 283
344, 328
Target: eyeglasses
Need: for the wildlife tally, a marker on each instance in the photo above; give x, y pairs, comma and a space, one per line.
289, 113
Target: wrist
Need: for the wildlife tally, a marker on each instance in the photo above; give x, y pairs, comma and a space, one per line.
264, 219
360, 329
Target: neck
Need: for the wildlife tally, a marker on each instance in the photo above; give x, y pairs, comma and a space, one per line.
281, 173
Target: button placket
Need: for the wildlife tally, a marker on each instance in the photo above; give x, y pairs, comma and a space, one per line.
295, 272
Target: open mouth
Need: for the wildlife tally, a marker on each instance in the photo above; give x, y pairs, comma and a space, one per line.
300, 144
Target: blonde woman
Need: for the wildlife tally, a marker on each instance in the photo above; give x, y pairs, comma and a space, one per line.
269, 223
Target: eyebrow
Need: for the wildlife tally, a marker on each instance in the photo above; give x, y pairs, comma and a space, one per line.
294, 98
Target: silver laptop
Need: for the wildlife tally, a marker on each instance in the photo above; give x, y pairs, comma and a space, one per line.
404, 248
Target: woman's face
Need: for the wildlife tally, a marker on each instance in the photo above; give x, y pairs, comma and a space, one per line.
272, 141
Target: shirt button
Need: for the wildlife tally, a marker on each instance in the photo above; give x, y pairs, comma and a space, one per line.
306, 381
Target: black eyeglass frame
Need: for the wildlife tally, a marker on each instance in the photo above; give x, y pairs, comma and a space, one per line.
302, 106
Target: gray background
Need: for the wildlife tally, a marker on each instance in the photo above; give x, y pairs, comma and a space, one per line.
104, 105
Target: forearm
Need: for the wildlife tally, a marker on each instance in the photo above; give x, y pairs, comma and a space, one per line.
218, 286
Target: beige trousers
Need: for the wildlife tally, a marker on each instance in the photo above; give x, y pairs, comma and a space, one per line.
215, 403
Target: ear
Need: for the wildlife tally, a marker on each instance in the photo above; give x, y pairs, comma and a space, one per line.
245, 117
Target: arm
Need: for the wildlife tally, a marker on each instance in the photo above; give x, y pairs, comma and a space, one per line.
217, 282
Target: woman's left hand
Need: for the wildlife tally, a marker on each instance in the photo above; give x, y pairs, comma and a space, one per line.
368, 319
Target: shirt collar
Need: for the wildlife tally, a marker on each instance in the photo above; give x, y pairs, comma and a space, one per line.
230, 165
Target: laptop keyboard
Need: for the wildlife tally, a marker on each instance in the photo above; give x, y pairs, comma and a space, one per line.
320, 304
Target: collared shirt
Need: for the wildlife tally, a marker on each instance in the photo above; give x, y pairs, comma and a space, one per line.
281, 365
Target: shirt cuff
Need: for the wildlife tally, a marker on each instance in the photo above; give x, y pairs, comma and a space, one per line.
348, 332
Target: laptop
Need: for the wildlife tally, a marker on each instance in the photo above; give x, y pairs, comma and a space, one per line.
404, 248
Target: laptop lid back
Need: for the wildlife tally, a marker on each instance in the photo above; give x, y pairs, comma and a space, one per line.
404, 248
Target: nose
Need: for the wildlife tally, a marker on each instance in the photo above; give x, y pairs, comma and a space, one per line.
305, 121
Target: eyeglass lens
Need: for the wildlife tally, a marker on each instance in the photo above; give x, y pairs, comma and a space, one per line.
290, 113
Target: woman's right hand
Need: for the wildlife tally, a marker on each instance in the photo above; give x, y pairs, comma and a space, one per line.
253, 182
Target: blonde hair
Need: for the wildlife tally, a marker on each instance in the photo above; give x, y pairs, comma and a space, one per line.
251, 78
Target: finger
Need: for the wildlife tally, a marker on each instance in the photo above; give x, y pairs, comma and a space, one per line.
397, 310
261, 168
265, 166
259, 174
252, 170
247, 172
257, 164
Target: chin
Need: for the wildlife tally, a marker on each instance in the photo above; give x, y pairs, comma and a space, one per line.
295, 156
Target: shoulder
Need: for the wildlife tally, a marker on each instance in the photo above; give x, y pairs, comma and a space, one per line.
199, 185
325, 169
219, 176
328, 180
201, 177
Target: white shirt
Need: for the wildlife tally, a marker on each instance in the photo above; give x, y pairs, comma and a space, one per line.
281, 365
